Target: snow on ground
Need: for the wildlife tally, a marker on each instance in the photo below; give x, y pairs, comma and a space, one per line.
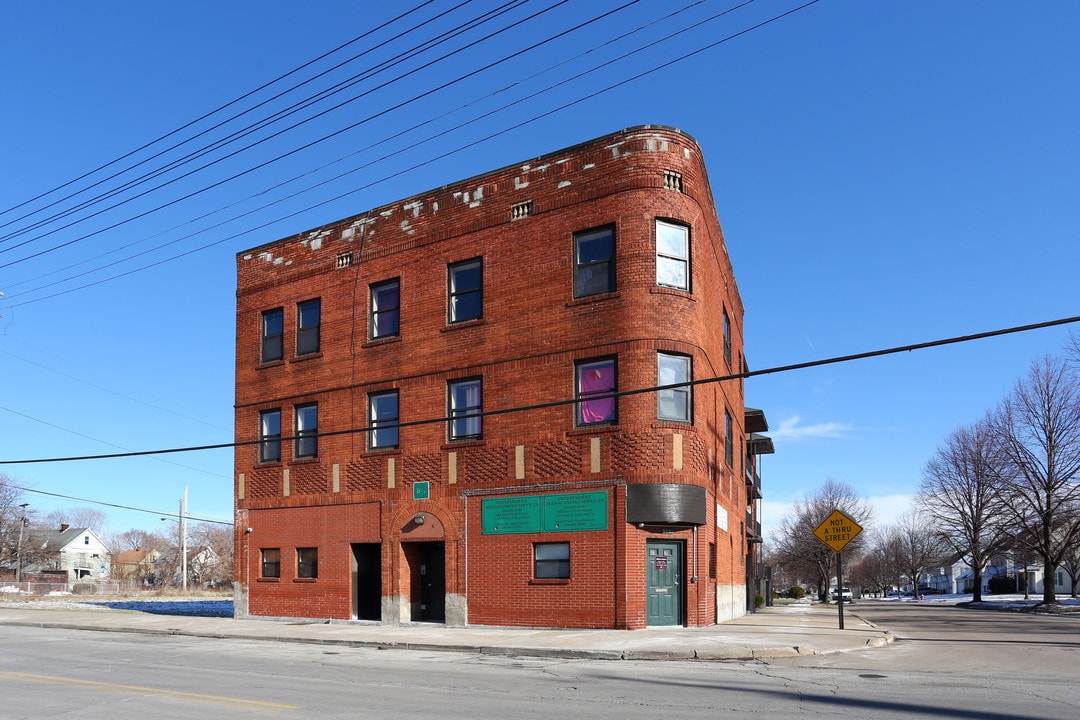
1016, 601
194, 606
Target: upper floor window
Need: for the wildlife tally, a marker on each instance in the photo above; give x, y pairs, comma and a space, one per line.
466, 404
271, 563
466, 291
673, 403
273, 334
307, 562
307, 430
729, 441
594, 262
727, 338
672, 255
270, 436
307, 327
383, 420
596, 378
385, 309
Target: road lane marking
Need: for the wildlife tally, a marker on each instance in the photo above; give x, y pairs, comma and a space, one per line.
220, 700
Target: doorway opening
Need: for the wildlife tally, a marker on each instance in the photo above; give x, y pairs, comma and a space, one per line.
665, 592
367, 581
427, 580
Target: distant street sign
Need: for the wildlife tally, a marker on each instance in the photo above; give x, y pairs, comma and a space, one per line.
837, 530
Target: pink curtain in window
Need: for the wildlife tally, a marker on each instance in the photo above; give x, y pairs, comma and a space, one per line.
596, 380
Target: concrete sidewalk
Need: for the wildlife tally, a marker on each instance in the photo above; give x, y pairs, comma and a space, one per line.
784, 631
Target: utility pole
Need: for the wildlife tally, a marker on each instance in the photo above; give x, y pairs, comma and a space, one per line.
18, 552
183, 535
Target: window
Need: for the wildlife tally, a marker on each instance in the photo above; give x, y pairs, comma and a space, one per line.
273, 333
594, 262
270, 436
307, 562
729, 445
307, 430
551, 560
385, 309
383, 420
727, 338
271, 562
674, 403
466, 404
672, 255
307, 332
596, 378
466, 291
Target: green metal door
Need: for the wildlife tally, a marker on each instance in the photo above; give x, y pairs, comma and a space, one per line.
664, 602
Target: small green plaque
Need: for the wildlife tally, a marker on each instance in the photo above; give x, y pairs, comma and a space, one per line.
421, 490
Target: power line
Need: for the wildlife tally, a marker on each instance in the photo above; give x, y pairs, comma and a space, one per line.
421, 164
622, 393
204, 117
119, 507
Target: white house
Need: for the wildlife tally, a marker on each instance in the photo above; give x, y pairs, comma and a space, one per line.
77, 551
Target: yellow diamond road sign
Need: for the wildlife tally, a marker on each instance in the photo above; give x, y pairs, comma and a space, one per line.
837, 530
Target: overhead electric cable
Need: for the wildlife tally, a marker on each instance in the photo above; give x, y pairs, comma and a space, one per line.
254, 127
383, 141
595, 396
159, 513
200, 119
444, 155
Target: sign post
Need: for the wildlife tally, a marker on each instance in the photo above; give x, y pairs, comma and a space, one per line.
837, 531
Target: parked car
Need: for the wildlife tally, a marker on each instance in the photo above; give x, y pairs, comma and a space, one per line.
843, 595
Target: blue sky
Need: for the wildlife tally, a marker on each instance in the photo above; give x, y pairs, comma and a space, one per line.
886, 173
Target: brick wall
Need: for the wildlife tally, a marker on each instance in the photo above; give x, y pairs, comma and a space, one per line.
524, 348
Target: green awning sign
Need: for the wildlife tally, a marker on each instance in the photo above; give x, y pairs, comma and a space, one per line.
566, 512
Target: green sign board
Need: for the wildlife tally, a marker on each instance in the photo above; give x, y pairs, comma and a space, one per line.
567, 512
421, 490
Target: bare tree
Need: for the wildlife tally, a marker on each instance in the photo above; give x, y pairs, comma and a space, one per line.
959, 495
916, 546
796, 542
79, 517
876, 569
11, 516
1038, 428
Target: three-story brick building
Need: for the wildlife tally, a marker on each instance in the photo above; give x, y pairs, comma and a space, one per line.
438, 409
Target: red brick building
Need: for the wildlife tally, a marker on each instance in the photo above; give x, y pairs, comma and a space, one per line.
436, 405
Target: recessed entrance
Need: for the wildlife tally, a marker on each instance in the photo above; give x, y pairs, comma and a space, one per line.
367, 581
427, 580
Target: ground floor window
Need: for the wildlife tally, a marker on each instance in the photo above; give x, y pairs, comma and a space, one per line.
271, 562
552, 560
307, 562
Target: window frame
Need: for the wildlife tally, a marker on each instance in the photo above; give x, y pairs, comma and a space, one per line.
377, 313
270, 340
551, 568
467, 417
265, 563
306, 444
729, 441
664, 257
307, 563
580, 394
582, 268
375, 425
308, 336
687, 391
727, 336
269, 440
454, 293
